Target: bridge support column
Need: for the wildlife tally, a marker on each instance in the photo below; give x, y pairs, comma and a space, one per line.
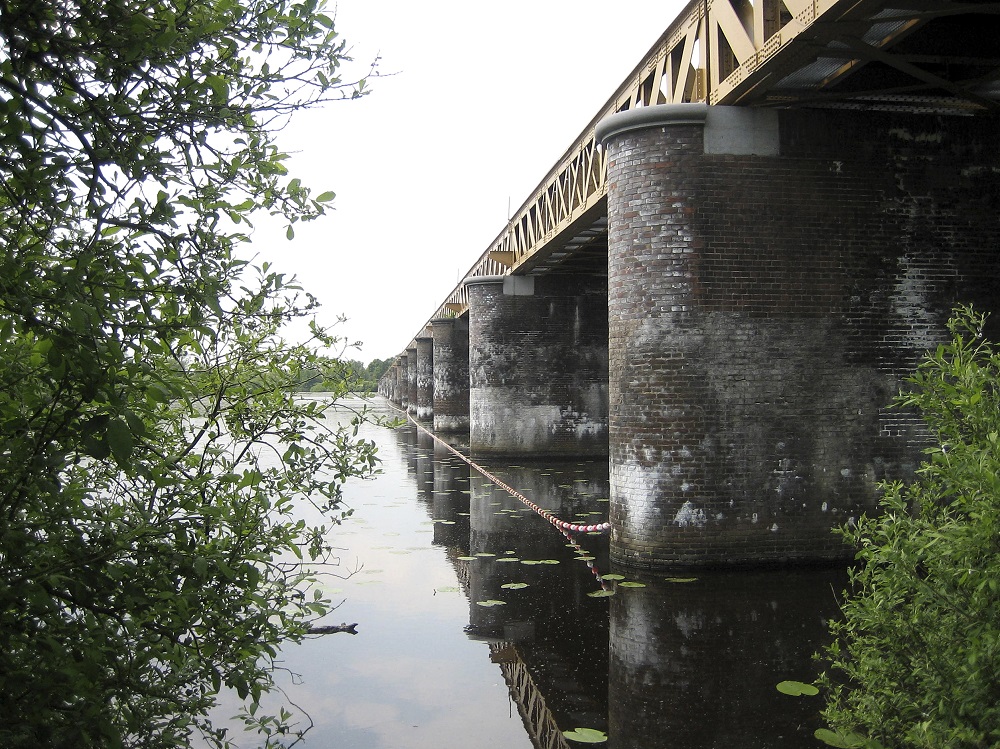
538, 365
425, 378
403, 381
385, 383
411, 380
772, 277
451, 374
399, 376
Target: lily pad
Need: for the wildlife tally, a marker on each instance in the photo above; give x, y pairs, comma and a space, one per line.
466, 559
509, 559
601, 594
612, 577
680, 579
797, 689
514, 586
485, 554
840, 740
447, 589
630, 584
586, 736
491, 602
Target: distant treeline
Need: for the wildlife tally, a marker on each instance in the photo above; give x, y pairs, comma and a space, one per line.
359, 377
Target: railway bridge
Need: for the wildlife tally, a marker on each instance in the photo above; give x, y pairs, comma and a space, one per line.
722, 282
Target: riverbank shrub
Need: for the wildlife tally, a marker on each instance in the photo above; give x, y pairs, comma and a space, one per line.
916, 659
153, 462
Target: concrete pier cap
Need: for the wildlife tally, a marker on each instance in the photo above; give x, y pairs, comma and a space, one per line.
728, 130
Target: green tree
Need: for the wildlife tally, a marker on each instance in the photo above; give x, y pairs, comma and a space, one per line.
152, 459
916, 659
376, 368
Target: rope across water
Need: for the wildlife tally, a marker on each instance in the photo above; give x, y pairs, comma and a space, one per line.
558, 523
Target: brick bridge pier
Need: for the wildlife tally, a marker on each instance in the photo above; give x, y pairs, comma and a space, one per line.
772, 276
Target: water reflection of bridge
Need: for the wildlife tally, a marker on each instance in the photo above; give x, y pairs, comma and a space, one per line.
670, 665
550, 639
538, 719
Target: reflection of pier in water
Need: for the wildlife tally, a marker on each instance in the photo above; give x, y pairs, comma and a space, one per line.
689, 666
550, 639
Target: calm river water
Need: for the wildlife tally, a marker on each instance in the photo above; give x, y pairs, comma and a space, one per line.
479, 625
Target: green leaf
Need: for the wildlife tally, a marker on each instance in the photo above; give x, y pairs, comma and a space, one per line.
135, 423
840, 740
797, 689
220, 89
120, 441
586, 736
326, 197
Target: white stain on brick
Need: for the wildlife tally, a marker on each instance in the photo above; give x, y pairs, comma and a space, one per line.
634, 486
689, 516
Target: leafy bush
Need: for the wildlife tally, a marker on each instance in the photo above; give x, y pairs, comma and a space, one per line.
151, 456
916, 659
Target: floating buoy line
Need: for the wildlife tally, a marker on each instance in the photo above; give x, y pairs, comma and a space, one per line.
549, 516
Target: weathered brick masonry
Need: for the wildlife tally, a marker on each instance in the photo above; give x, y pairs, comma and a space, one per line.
451, 374
538, 366
397, 381
411, 380
403, 389
762, 312
425, 377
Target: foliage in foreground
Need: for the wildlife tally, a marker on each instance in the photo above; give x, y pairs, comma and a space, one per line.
916, 659
152, 459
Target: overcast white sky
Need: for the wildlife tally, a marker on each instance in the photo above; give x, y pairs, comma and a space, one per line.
485, 98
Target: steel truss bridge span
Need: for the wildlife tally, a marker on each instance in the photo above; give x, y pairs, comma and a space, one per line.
934, 56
